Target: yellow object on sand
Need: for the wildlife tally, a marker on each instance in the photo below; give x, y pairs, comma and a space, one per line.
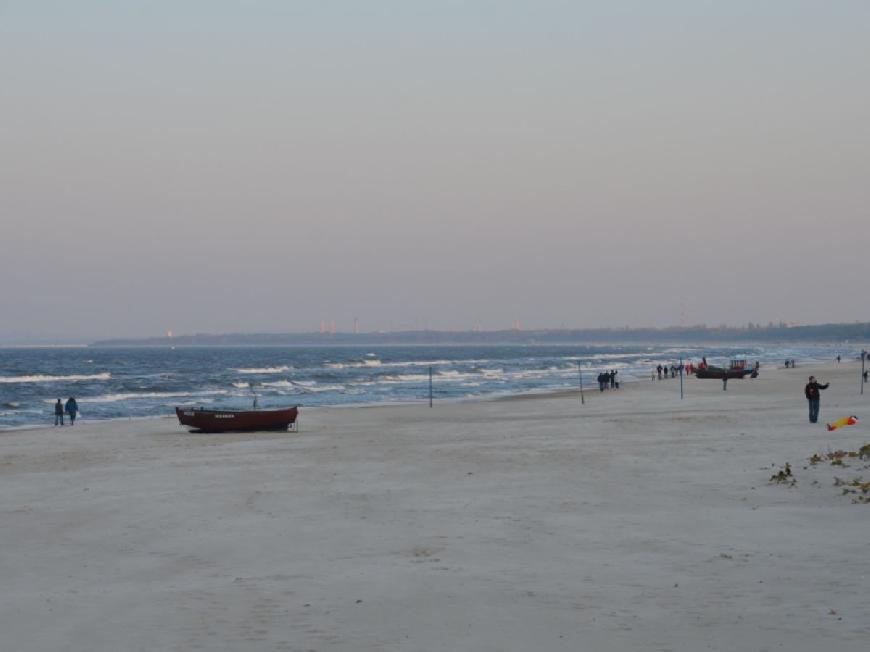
845, 421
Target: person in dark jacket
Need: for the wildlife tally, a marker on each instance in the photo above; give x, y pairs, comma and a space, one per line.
58, 413
811, 391
71, 408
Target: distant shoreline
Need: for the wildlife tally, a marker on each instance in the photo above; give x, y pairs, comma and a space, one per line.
822, 333
44, 346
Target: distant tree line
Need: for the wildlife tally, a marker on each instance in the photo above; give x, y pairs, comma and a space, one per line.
857, 332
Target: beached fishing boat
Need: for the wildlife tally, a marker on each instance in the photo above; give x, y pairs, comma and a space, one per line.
738, 369
205, 420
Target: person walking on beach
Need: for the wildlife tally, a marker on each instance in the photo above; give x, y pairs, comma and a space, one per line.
71, 409
811, 391
58, 413
659, 369
838, 359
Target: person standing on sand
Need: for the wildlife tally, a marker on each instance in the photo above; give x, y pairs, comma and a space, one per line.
71, 409
811, 391
58, 413
659, 370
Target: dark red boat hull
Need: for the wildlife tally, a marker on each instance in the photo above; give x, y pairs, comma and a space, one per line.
236, 420
720, 373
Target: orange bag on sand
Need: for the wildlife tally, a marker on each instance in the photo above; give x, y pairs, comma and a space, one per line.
845, 421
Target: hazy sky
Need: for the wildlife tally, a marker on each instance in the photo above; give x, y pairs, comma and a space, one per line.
263, 165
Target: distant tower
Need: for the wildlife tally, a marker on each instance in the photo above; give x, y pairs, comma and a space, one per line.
356, 325
169, 333
515, 326
322, 327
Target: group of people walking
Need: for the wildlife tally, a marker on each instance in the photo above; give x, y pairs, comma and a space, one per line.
71, 408
663, 371
607, 380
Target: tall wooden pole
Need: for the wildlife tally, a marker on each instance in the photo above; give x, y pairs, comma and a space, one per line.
430, 386
863, 357
580, 371
681, 378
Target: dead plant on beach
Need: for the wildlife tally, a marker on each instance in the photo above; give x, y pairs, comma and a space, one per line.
784, 476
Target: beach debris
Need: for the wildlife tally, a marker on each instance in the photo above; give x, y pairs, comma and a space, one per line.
836, 458
839, 423
784, 476
856, 487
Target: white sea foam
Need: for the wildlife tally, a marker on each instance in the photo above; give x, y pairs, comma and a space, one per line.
362, 364
305, 386
422, 363
39, 378
278, 383
264, 370
326, 388
126, 396
404, 378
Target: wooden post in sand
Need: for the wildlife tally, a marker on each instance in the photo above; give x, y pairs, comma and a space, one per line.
580, 371
430, 386
681, 378
861, 380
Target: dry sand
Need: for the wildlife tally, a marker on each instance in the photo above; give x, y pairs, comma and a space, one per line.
635, 522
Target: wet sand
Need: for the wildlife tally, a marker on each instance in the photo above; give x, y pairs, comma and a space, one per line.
634, 522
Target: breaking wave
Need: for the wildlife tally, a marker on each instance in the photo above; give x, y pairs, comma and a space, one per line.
40, 378
264, 370
126, 396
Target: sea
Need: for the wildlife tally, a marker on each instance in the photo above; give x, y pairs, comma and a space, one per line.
113, 383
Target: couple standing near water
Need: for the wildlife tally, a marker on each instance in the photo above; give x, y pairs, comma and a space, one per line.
71, 408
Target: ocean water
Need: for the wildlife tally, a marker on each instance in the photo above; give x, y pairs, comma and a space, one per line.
137, 382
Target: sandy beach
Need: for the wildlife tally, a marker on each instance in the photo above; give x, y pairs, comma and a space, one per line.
634, 522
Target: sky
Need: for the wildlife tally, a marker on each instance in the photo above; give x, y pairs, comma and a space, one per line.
265, 165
